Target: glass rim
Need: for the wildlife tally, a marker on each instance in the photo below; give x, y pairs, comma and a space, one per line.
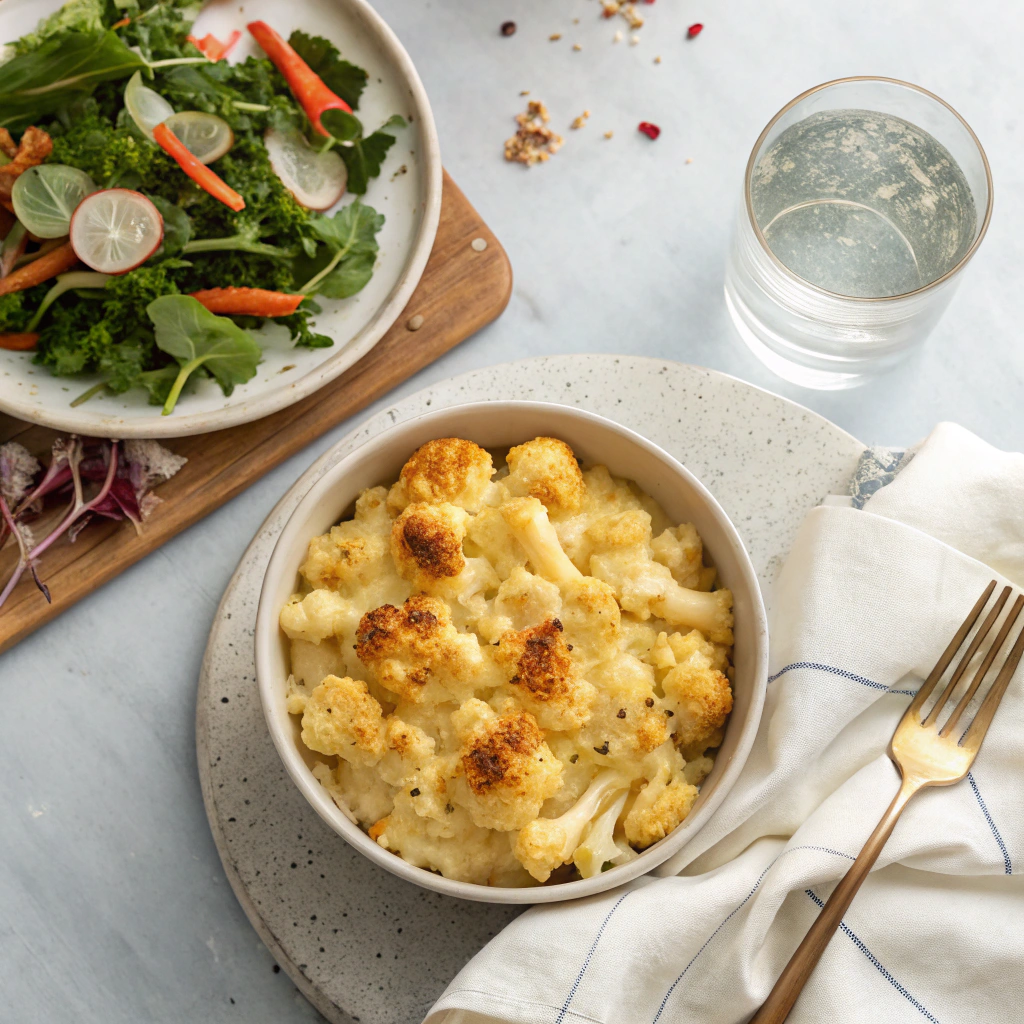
959, 265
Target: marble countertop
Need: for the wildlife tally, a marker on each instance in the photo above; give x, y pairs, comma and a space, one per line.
113, 904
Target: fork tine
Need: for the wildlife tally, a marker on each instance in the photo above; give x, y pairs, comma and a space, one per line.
972, 649
997, 644
983, 719
949, 653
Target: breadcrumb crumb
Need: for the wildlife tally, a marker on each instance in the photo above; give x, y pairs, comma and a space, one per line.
577, 47
617, 38
555, 36
608, 135
580, 121
633, 40
534, 142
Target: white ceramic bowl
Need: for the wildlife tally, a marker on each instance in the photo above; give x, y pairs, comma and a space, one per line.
499, 425
410, 202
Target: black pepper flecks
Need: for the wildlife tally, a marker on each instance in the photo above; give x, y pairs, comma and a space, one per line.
603, 749
649, 702
414, 792
621, 713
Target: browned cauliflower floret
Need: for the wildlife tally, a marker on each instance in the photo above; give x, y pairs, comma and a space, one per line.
664, 802
543, 677
342, 718
698, 692
545, 843
416, 651
627, 719
408, 750
447, 469
506, 770
355, 553
546, 468
523, 600
426, 543
317, 616
528, 520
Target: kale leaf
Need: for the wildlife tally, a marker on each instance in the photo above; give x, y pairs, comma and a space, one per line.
342, 78
363, 155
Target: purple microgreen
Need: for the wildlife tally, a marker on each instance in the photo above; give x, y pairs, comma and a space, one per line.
23, 536
149, 464
57, 475
18, 468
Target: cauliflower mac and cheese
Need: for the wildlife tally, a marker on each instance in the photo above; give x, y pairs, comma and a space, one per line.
512, 676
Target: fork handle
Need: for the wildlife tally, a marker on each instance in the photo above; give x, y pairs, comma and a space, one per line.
776, 1007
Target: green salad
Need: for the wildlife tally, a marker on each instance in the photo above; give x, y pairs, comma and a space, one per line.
159, 203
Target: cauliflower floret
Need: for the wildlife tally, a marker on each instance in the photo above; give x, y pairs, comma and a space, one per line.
606, 493
603, 844
489, 536
408, 748
577, 773
447, 469
354, 554
621, 556
591, 618
682, 551
664, 802
542, 676
360, 793
416, 652
528, 520
627, 719
311, 664
545, 843
342, 718
523, 600
698, 692
546, 468
317, 616
426, 543
506, 770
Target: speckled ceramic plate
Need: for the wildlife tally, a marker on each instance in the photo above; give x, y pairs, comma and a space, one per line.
361, 944
408, 193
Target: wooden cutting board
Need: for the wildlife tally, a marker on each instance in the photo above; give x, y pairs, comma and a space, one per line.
466, 284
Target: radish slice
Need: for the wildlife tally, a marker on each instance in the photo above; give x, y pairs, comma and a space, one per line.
45, 197
206, 136
147, 108
317, 180
115, 230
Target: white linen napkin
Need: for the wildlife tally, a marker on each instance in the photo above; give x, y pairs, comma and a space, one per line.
864, 605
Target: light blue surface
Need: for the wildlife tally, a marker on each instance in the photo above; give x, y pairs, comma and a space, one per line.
113, 906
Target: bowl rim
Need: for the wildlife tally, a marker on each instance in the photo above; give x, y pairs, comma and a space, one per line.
266, 632
348, 352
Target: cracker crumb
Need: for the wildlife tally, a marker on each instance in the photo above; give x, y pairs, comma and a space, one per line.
534, 142
577, 47
609, 8
608, 135
629, 12
575, 21
657, 60
524, 92
633, 40
689, 159
555, 36
617, 38
580, 121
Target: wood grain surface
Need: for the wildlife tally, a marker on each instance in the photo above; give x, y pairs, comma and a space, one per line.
463, 288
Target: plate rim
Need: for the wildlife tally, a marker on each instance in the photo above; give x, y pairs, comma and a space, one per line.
330, 1010
157, 426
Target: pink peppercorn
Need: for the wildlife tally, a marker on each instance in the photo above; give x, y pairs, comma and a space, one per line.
652, 131
694, 30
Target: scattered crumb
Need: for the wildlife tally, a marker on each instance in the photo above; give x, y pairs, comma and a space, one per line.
689, 159
617, 38
633, 40
555, 36
630, 14
533, 142
657, 60
285, 369
608, 135
577, 47
524, 92
609, 8
575, 21
580, 121
401, 170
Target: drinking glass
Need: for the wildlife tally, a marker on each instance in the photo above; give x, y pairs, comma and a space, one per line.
863, 201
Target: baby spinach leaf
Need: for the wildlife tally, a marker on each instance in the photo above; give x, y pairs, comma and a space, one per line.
363, 156
350, 236
64, 67
198, 338
341, 77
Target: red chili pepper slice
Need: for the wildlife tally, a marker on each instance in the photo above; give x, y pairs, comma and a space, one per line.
213, 47
652, 131
199, 173
308, 86
18, 342
248, 301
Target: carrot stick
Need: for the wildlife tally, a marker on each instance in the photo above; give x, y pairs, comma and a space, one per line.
308, 86
53, 263
18, 342
213, 47
199, 173
248, 301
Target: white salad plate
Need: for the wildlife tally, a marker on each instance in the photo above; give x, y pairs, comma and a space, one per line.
408, 193
359, 942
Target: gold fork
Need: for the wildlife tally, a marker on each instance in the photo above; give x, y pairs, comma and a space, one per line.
926, 755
